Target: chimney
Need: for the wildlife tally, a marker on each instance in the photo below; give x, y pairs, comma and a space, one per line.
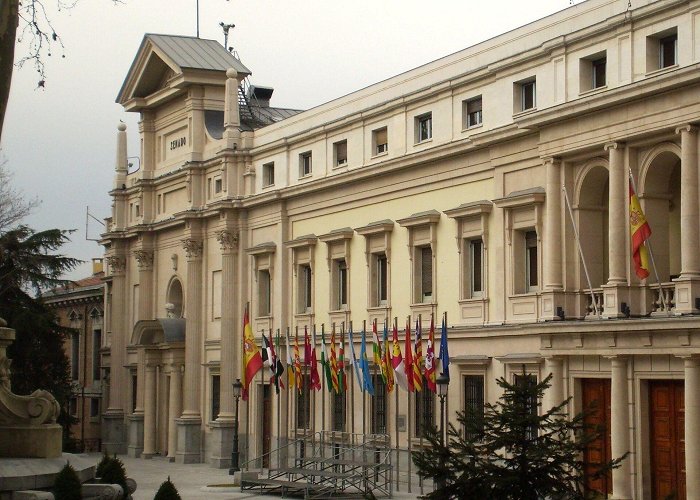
260, 95
97, 265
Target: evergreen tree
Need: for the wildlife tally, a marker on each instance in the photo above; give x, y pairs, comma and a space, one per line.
510, 451
99, 470
28, 263
167, 491
114, 472
67, 484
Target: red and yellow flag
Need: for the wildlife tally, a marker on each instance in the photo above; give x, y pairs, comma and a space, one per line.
640, 230
252, 359
334, 363
297, 362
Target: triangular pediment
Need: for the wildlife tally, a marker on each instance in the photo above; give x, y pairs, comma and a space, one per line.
165, 64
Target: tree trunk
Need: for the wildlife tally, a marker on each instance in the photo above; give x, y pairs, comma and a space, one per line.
9, 18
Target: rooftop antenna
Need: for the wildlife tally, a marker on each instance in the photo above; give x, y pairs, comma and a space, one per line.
197, 18
226, 27
89, 216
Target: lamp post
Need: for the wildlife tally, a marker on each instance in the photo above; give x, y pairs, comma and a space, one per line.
237, 387
442, 382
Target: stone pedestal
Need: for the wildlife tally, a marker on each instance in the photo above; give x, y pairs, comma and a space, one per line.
30, 441
222, 443
551, 303
613, 298
135, 448
189, 441
687, 290
113, 433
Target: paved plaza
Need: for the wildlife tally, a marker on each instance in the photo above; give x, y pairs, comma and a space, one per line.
193, 481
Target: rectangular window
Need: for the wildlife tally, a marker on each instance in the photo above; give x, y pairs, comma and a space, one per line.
264, 292
342, 284
598, 72
303, 403
531, 262
304, 288
96, 345
381, 264
160, 203
75, 356
218, 185
531, 404
424, 409
340, 153
668, 51
425, 274
209, 193
476, 267
378, 405
305, 164
527, 95
134, 390
94, 407
215, 396
424, 127
380, 141
473, 112
268, 174
473, 403
338, 411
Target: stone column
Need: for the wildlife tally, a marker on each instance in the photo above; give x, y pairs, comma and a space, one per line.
555, 393
692, 433
232, 119
113, 429
552, 227
189, 424
174, 408
222, 429
149, 413
617, 221
620, 427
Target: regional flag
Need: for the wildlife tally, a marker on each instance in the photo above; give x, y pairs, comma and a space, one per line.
639, 227
315, 378
269, 358
387, 366
251, 355
418, 359
377, 351
290, 363
353, 359
430, 357
334, 363
297, 362
307, 347
342, 379
366, 376
444, 353
408, 358
397, 361
325, 360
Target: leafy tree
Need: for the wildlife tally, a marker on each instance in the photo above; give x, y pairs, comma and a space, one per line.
28, 263
67, 484
167, 491
511, 452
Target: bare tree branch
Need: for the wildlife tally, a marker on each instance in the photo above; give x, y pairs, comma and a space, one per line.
13, 205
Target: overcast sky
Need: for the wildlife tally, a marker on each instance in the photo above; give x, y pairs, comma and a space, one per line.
60, 141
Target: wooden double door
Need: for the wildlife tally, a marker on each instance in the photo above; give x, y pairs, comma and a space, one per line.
667, 438
596, 400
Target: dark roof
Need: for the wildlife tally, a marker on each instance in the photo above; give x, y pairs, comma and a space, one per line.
196, 53
83, 284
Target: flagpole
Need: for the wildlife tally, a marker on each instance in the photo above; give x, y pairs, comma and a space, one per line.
396, 418
409, 373
420, 323
323, 392
364, 409
312, 407
352, 385
651, 256
580, 251
247, 400
262, 405
279, 407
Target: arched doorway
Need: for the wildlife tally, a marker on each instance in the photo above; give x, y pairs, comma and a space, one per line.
592, 214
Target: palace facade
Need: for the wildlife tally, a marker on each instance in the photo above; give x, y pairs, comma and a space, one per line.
449, 188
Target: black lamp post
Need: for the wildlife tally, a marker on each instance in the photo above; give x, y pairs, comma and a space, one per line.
237, 388
442, 382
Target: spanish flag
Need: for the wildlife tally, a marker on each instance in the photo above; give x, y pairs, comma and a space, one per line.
252, 359
639, 227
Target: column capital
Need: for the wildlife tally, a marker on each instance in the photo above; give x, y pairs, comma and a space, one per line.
551, 160
193, 248
228, 240
613, 145
117, 264
690, 359
617, 358
686, 128
144, 258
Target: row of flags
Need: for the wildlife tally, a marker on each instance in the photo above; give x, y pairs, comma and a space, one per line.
407, 370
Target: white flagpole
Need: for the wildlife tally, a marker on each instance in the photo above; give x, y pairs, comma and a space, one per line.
651, 255
580, 251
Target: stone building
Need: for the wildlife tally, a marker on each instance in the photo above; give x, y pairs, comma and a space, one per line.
443, 189
80, 305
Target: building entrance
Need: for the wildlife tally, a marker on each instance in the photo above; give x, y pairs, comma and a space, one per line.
666, 440
596, 396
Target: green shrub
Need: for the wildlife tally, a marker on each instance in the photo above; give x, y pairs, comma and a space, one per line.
167, 491
101, 465
114, 472
67, 484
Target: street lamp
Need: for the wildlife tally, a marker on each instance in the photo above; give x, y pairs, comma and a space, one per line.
442, 382
237, 388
